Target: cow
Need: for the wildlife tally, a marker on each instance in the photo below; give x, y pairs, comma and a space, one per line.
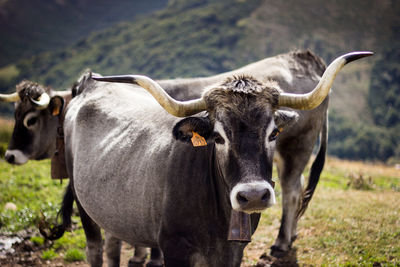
148, 189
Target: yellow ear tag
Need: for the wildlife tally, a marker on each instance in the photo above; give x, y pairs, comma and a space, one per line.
56, 111
198, 140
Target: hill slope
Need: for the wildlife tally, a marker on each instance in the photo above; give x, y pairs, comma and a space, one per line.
198, 38
207, 38
28, 27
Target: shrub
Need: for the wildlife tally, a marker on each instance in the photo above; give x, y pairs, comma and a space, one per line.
74, 255
49, 254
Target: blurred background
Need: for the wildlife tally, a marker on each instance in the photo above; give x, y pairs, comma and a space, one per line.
53, 41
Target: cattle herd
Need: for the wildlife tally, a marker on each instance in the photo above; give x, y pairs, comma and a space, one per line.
182, 166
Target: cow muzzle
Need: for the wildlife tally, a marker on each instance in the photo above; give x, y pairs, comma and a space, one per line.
252, 197
15, 157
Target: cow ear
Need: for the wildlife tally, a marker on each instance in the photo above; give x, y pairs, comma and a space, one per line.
185, 128
284, 118
56, 105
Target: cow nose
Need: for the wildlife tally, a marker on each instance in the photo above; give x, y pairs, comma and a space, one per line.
252, 197
262, 195
10, 158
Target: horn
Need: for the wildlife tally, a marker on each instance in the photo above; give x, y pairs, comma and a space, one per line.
42, 102
314, 98
14, 97
62, 94
172, 106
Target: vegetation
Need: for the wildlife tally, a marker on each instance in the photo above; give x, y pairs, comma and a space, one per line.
357, 140
74, 255
49, 254
31, 27
344, 225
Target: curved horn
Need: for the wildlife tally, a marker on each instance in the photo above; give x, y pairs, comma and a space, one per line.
14, 97
42, 102
172, 106
63, 94
314, 98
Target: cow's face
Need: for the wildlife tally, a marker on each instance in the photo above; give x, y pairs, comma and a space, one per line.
243, 125
35, 129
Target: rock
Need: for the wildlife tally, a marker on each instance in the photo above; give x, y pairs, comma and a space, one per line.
10, 206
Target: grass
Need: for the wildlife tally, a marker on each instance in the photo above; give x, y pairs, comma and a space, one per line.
343, 226
74, 255
49, 254
6, 126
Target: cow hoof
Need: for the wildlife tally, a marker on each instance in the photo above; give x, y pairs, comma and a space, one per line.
277, 252
135, 263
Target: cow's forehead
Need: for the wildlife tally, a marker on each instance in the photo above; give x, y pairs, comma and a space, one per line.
27, 89
243, 97
31, 89
254, 122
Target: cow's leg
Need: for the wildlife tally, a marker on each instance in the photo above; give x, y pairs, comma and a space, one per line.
139, 257
290, 174
156, 258
176, 250
113, 250
94, 242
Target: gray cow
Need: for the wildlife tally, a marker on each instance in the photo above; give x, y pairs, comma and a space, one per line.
180, 198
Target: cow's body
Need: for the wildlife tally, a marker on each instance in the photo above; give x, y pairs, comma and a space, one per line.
165, 191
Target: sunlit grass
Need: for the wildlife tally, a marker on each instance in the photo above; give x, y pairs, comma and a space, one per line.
33, 192
342, 226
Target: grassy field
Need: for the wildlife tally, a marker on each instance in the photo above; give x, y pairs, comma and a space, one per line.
353, 220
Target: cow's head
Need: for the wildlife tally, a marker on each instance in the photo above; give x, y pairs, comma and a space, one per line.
35, 122
243, 121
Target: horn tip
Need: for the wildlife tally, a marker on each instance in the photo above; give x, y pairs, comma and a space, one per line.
97, 78
117, 78
356, 55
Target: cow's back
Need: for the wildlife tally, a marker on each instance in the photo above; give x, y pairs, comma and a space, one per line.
107, 131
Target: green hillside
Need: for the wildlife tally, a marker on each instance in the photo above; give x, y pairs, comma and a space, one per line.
199, 38
28, 27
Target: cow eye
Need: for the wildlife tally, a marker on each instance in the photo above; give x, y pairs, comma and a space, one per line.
274, 135
218, 138
30, 120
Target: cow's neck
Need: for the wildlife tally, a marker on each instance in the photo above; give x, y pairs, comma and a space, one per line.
58, 166
220, 188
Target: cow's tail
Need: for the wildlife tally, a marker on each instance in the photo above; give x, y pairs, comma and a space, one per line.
53, 232
315, 171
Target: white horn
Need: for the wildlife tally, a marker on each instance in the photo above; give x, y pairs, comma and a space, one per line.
314, 98
42, 102
172, 106
14, 97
